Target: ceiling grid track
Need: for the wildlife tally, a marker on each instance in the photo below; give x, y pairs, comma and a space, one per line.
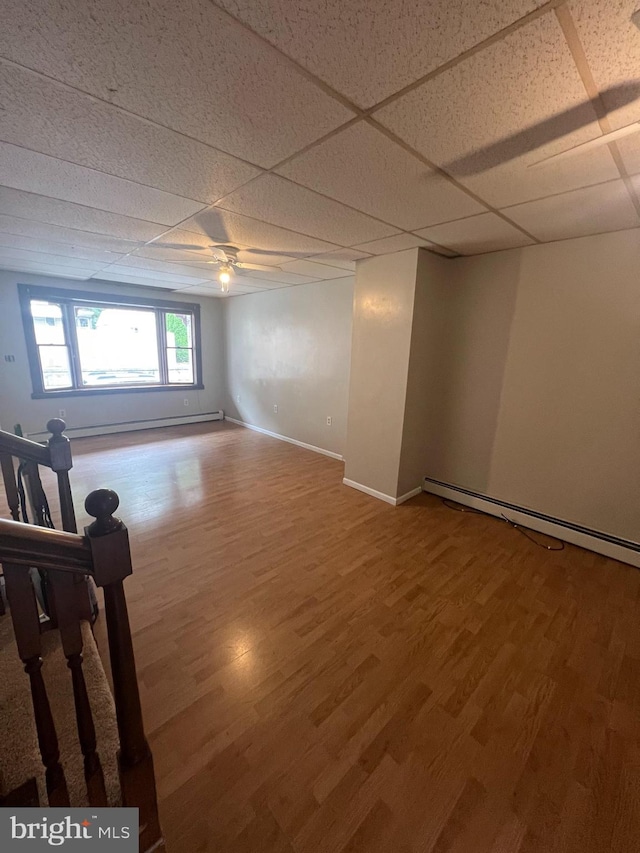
568, 27
361, 115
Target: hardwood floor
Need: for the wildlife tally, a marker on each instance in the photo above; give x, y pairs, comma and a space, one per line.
324, 673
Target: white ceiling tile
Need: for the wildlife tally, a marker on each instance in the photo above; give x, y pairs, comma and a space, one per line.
63, 213
116, 274
52, 248
278, 276
314, 270
27, 255
261, 284
612, 45
200, 291
182, 63
125, 268
484, 233
629, 148
156, 252
592, 210
442, 251
164, 267
45, 269
33, 172
42, 231
393, 244
344, 259
44, 116
280, 202
362, 167
369, 50
222, 226
471, 118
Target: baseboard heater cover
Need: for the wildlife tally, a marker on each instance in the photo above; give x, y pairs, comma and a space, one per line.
129, 426
624, 550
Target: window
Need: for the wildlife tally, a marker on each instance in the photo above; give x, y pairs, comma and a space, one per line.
82, 343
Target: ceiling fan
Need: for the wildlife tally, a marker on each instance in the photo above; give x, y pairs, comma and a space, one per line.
224, 257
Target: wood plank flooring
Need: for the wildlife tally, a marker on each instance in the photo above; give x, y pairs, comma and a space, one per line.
323, 673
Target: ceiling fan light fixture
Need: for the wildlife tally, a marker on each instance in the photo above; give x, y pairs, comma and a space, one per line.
224, 277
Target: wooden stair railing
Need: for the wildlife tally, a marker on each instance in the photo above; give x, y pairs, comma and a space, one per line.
104, 554
56, 455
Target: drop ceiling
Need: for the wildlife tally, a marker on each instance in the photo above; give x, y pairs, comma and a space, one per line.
307, 134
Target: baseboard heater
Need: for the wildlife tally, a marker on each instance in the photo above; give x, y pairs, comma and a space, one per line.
129, 426
615, 547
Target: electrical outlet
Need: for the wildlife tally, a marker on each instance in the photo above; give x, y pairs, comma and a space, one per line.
62, 413
237, 398
328, 420
186, 402
275, 408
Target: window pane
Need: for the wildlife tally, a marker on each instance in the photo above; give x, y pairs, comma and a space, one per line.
117, 346
179, 331
180, 364
56, 371
47, 322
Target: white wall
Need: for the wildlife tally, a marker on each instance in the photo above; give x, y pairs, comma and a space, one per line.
16, 405
291, 348
531, 369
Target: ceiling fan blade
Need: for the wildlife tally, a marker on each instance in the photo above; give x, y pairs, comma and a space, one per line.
627, 130
258, 267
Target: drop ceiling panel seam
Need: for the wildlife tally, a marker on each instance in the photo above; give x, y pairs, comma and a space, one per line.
360, 114
130, 113
325, 87
447, 176
120, 178
570, 32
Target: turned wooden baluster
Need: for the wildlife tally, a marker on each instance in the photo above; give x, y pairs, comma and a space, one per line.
35, 493
10, 486
26, 626
111, 556
64, 589
61, 463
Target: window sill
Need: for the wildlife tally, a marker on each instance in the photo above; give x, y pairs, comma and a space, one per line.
96, 392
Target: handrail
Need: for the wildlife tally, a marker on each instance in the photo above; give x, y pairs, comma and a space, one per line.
29, 545
24, 448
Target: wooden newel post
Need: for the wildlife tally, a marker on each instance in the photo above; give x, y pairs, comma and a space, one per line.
62, 463
109, 542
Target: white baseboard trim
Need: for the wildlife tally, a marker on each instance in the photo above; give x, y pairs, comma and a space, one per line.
373, 492
408, 495
286, 438
556, 528
129, 426
388, 499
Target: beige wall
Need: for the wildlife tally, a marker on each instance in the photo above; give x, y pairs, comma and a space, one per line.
432, 353
382, 318
16, 405
291, 348
532, 379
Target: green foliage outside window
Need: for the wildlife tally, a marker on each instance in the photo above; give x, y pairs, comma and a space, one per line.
178, 328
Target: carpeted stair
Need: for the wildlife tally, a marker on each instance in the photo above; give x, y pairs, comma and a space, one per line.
19, 754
